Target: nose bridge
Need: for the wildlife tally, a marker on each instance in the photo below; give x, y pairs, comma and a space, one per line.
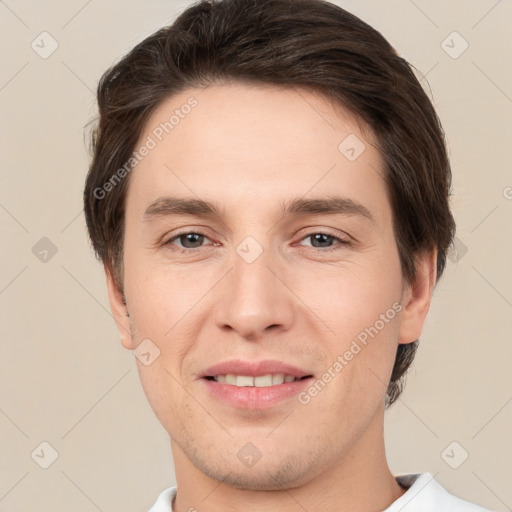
251, 274
253, 298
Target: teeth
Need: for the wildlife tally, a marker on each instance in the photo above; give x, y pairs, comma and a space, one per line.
242, 380
263, 380
230, 379
278, 378
270, 379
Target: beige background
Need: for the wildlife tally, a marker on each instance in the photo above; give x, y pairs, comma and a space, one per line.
66, 380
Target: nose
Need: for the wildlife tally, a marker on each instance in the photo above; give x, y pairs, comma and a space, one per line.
254, 299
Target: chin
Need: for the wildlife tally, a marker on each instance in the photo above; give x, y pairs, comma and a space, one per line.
265, 475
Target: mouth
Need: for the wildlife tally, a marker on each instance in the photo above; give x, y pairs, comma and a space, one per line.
259, 381
255, 385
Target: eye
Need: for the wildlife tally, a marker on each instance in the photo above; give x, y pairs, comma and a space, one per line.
325, 241
187, 241
191, 241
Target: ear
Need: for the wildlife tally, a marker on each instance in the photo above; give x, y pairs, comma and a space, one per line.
416, 298
119, 310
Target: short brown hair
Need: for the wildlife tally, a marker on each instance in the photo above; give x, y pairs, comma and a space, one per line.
306, 43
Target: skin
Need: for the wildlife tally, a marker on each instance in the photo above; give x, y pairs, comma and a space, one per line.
249, 148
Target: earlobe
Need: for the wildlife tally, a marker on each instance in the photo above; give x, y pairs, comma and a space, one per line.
417, 297
119, 310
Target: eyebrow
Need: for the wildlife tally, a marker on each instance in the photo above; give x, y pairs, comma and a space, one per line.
169, 206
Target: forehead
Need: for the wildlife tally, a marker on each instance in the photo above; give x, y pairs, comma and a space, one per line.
247, 144
290, 119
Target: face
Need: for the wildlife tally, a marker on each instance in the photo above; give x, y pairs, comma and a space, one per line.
259, 238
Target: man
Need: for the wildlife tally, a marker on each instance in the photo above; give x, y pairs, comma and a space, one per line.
269, 195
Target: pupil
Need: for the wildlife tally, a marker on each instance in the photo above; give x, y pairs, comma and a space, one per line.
193, 238
321, 238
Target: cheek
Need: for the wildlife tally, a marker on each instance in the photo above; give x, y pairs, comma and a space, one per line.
162, 390
352, 296
165, 302
161, 294
358, 304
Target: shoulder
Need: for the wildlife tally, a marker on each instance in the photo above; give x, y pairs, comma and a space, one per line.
164, 501
425, 494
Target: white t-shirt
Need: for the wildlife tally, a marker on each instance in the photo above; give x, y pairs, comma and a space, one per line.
424, 494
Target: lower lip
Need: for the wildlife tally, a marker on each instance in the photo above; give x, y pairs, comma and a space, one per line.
251, 397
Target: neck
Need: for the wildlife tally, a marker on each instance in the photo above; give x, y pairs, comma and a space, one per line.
360, 481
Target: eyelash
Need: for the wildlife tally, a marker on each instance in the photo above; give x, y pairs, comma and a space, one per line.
335, 247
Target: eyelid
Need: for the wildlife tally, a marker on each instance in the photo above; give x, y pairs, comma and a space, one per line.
342, 239
316, 230
167, 240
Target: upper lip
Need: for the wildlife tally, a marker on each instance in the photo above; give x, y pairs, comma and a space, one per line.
254, 368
